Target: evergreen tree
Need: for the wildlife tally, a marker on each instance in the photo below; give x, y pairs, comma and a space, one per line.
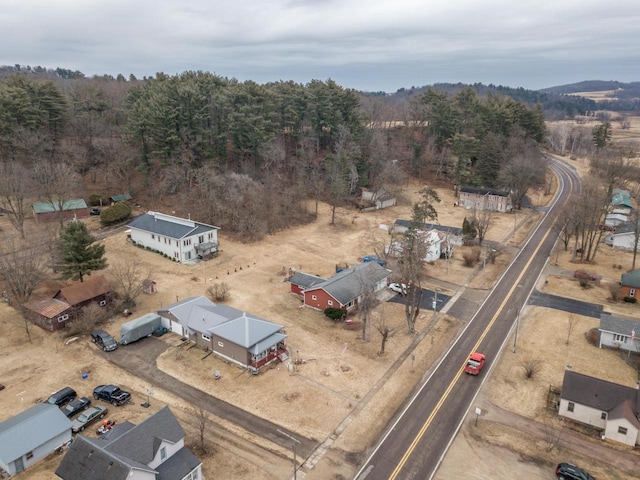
78, 252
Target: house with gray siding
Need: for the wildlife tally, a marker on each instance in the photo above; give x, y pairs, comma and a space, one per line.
152, 450
32, 435
181, 239
473, 198
619, 332
624, 237
611, 408
232, 334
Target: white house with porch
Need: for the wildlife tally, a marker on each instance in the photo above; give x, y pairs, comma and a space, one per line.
182, 239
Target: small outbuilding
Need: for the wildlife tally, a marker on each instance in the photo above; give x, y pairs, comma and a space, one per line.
46, 212
32, 435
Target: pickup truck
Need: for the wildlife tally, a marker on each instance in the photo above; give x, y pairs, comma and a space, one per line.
111, 394
475, 363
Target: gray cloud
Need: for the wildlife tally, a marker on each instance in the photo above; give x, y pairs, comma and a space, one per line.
368, 45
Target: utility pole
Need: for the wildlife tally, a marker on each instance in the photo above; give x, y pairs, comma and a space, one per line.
293, 447
435, 315
515, 339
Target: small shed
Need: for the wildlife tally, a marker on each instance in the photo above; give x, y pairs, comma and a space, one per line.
149, 286
32, 435
119, 198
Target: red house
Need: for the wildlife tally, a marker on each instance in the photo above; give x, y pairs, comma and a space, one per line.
345, 288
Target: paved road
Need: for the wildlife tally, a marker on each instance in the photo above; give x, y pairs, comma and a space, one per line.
565, 304
139, 358
417, 439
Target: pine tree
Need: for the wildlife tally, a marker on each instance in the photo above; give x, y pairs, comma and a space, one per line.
79, 254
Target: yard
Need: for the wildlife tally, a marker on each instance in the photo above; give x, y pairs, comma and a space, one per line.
337, 384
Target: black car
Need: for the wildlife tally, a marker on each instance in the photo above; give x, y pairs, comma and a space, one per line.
567, 471
104, 340
112, 394
75, 406
95, 211
61, 397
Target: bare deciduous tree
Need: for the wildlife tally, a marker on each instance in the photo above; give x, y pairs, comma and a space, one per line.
22, 270
385, 332
482, 220
15, 187
571, 323
202, 420
128, 280
218, 292
56, 184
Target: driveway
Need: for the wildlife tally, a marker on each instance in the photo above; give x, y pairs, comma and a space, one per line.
586, 309
426, 303
139, 359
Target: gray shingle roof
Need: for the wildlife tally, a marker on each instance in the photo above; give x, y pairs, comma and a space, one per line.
182, 309
624, 228
30, 429
619, 325
178, 466
306, 280
349, 284
246, 330
169, 226
429, 226
596, 393
125, 447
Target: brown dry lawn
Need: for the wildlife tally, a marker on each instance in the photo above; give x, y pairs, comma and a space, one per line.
339, 385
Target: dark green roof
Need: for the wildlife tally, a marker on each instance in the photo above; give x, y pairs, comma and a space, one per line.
631, 279
621, 198
47, 207
121, 198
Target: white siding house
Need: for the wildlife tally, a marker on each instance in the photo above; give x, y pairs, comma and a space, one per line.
179, 238
623, 238
611, 408
619, 332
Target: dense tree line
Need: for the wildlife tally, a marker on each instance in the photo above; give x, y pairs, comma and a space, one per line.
242, 155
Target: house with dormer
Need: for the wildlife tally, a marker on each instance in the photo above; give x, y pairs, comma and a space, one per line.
181, 239
611, 408
152, 450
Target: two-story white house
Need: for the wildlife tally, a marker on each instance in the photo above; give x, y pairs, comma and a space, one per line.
179, 238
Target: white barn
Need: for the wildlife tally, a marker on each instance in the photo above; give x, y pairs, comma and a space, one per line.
179, 238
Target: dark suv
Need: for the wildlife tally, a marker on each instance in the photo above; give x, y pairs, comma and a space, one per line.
571, 472
104, 340
62, 397
112, 394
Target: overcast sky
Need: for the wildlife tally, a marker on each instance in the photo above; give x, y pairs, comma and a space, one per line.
370, 45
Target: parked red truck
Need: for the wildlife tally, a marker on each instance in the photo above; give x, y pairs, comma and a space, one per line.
475, 363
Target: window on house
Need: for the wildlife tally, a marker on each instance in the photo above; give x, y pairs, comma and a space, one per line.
29, 455
163, 453
313, 297
632, 292
330, 303
622, 430
201, 239
153, 237
206, 337
603, 416
571, 406
175, 255
63, 318
619, 338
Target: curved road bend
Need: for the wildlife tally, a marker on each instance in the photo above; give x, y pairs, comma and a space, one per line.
139, 359
418, 438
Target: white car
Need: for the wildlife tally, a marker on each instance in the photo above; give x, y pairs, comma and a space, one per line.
399, 288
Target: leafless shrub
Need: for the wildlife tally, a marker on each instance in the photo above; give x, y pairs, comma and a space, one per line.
553, 429
592, 336
202, 420
584, 283
531, 367
218, 292
471, 257
615, 291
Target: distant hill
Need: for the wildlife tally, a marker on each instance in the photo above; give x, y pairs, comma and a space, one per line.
594, 86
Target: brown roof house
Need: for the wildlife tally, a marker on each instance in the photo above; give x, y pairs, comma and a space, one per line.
609, 407
48, 313
94, 289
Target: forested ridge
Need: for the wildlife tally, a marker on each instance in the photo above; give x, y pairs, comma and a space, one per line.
245, 156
